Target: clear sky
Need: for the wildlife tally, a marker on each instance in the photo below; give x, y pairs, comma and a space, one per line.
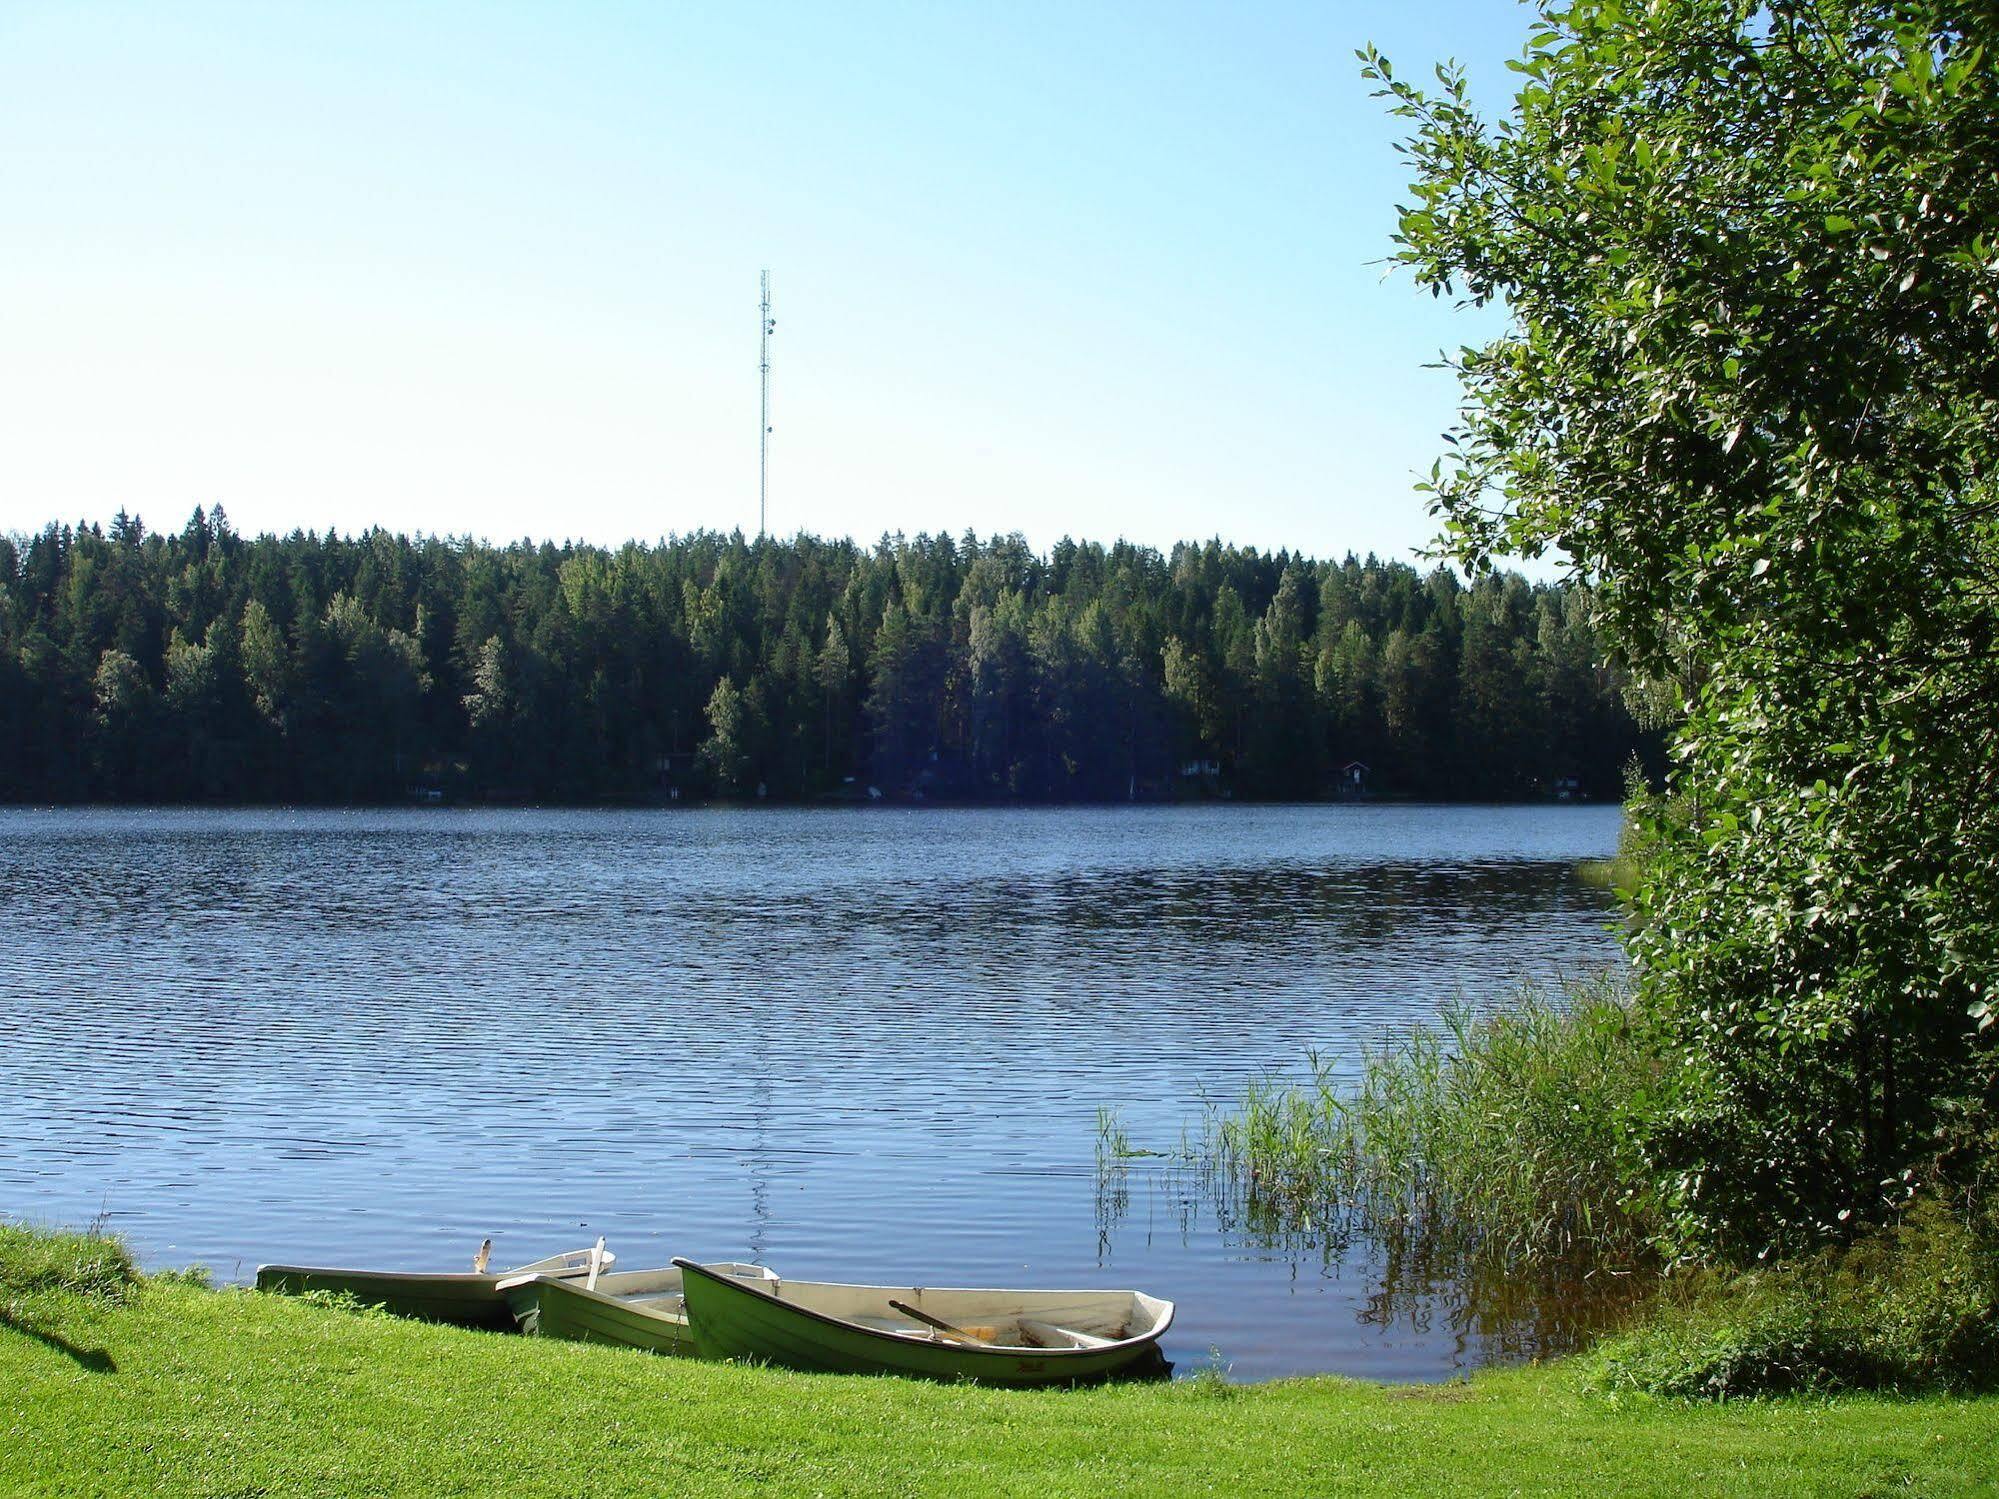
1090, 269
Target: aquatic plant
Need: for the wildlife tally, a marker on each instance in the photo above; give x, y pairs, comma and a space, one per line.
1502, 1135
1113, 1139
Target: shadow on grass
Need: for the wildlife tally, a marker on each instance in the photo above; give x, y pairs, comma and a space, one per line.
96, 1360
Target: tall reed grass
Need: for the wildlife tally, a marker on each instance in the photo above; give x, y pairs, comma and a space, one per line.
1500, 1136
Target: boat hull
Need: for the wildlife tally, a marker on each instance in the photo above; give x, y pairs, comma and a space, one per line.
643, 1309
460, 1300
557, 1309
739, 1321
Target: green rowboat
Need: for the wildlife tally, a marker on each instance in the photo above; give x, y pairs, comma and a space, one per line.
465, 1300
645, 1309
1001, 1337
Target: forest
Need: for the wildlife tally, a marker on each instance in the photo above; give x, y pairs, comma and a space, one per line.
205, 665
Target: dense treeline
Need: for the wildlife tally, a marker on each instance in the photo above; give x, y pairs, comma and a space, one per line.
209, 665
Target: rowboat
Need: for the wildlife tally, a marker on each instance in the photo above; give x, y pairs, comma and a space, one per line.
466, 1300
1000, 1337
644, 1309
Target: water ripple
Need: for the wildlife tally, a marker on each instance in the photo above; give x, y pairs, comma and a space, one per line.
858, 1043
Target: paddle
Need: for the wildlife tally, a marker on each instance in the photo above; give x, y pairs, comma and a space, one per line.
940, 1324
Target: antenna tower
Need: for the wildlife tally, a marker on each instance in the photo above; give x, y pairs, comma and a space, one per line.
766, 326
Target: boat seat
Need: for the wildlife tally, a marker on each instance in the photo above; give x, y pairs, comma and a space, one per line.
890, 1324
649, 1297
1048, 1335
905, 1329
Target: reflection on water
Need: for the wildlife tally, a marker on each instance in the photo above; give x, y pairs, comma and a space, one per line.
865, 1044
1418, 1286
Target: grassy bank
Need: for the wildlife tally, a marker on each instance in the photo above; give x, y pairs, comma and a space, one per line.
161, 1387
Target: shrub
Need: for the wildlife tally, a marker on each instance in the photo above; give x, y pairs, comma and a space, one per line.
1746, 388
1911, 1308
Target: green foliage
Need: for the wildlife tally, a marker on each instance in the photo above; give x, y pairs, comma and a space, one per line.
1501, 1137
1751, 253
38, 1262
730, 752
1912, 1308
206, 665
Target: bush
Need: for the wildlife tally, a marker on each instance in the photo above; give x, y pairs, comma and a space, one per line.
39, 1261
1912, 1308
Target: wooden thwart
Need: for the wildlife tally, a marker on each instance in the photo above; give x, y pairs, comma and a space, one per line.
963, 1335
1048, 1335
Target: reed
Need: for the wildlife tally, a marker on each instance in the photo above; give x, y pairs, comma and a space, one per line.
1114, 1143
1113, 1139
1499, 1136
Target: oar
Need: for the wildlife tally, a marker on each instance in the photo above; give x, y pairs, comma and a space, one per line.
940, 1324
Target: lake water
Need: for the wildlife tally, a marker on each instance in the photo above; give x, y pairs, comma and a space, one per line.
856, 1044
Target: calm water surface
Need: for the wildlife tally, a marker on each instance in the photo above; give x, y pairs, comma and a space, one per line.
864, 1044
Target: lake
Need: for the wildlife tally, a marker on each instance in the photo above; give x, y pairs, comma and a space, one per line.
862, 1043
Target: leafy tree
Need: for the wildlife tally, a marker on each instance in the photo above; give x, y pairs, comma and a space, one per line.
124, 715
730, 750
1750, 391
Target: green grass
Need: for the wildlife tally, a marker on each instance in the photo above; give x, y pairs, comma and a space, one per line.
36, 1261
1619, 873
161, 1387
1624, 869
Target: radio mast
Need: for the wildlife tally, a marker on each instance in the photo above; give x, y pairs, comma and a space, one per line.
766, 326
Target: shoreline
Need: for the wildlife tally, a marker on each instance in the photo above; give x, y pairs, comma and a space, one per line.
236, 1391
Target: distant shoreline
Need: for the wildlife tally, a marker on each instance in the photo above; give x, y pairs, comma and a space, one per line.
739, 804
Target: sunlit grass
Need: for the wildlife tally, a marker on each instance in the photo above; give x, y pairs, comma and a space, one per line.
1617, 873
172, 1389
40, 1262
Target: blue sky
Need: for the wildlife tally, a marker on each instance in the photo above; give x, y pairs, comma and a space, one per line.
1100, 270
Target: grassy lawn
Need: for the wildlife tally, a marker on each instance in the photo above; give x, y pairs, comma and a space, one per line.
177, 1390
